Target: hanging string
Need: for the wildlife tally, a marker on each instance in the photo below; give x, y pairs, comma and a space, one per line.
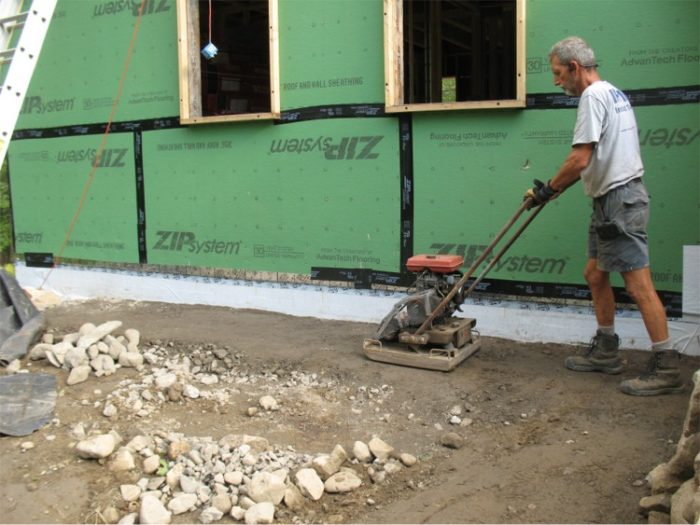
210, 21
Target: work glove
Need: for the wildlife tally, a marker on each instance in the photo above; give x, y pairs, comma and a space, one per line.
540, 193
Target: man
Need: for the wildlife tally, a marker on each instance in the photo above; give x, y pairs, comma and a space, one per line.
605, 156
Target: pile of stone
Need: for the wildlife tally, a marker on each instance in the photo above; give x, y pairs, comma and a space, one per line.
675, 485
240, 476
91, 350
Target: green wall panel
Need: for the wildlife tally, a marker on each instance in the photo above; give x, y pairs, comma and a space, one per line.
638, 43
274, 198
47, 180
670, 141
327, 192
472, 169
82, 60
331, 52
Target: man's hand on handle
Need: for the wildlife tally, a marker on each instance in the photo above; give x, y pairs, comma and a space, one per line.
540, 193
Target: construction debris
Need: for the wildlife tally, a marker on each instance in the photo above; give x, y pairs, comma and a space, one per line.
240, 476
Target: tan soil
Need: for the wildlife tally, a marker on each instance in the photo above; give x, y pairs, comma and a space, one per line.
545, 444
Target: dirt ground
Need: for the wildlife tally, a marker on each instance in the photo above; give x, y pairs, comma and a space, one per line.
545, 445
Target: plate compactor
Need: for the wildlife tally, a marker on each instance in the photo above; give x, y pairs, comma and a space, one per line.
421, 330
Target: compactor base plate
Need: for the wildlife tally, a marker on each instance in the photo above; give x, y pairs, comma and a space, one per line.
442, 359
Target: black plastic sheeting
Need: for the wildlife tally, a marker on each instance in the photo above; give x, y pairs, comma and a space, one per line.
21, 324
27, 402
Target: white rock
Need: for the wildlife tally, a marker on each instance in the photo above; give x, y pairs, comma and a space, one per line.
140, 442
26, 445
203, 493
110, 410
392, 467
123, 460
455, 420
237, 513
408, 459
53, 357
208, 379
327, 465
190, 391
188, 484
234, 478
309, 483
133, 336
103, 363
92, 352
293, 498
342, 482
151, 464
86, 328
75, 357
77, 431
130, 359
130, 492
47, 338
96, 447
265, 486
70, 338
39, 351
165, 381
78, 375
182, 503
361, 451
222, 502
249, 460
172, 478
268, 403
456, 410
380, 449
246, 502
13, 367
94, 335
116, 349
210, 515
260, 513
153, 512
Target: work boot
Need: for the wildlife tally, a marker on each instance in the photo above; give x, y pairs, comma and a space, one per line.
603, 355
663, 376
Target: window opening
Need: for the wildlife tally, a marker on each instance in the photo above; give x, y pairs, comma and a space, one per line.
455, 54
230, 65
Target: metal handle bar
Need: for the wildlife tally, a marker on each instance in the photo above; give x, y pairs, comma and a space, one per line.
440, 307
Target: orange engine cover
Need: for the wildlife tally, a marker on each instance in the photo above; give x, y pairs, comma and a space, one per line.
435, 263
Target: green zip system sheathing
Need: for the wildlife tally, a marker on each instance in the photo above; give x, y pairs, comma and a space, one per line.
316, 191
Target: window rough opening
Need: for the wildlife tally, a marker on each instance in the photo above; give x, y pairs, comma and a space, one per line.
454, 54
240, 81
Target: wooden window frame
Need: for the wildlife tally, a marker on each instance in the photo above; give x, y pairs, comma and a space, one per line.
189, 60
394, 69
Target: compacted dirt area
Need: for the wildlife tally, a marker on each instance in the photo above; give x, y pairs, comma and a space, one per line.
535, 443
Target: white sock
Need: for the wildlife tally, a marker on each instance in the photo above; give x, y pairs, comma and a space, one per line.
661, 346
607, 330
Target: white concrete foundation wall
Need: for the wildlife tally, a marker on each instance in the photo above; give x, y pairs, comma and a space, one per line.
520, 321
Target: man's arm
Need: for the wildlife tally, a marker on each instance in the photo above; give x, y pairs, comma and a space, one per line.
570, 170
568, 174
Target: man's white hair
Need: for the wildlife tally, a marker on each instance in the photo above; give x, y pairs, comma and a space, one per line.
573, 48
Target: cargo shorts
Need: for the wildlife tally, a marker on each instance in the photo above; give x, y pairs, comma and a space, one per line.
617, 235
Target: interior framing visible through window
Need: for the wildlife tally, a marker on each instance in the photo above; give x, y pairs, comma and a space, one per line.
241, 82
454, 54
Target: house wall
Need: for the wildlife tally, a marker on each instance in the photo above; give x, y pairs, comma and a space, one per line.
337, 188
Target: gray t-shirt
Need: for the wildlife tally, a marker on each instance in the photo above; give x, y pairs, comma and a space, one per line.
605, 118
